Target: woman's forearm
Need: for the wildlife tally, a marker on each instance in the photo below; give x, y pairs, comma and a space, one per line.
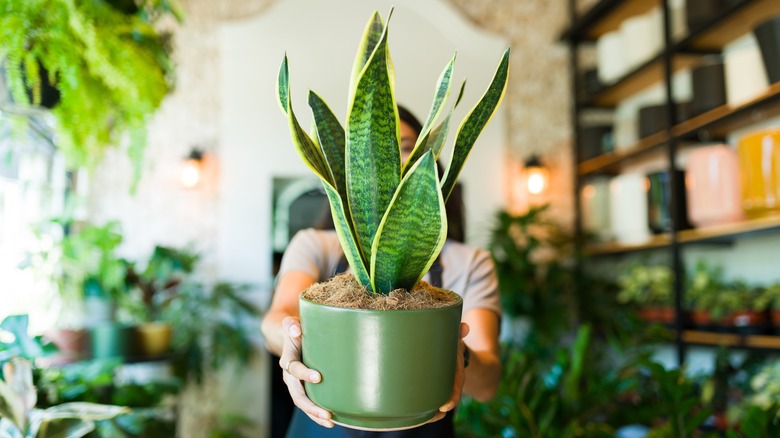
273, 332
482, 375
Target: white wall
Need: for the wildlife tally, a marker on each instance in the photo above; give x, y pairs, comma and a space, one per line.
320, 39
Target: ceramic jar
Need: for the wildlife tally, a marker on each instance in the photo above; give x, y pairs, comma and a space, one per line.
628, 208
594, 201
745, 74
759, 159
768, 36
660, 194
713, 186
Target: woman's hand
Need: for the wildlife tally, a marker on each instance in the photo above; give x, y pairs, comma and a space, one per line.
295, 372
460, 378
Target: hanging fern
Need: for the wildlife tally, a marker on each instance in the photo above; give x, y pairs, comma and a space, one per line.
112, 68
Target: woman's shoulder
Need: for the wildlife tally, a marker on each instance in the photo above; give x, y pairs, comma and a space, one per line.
322, 240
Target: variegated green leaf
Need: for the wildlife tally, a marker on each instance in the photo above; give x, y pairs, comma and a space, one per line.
332, 140
283, 85
308, 149
12, 406
371, 36
442, 92
373, 152
434, 140
413, 231
474, 123
346, 237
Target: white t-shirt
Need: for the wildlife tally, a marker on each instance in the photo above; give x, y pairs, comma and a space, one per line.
466, 270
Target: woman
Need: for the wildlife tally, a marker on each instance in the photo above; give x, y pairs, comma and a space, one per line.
316, 255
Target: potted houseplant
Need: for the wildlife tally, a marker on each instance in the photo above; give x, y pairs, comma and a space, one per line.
736, 308
391, 222
158, 283
650, 288
770, 300
89, 277
704, 285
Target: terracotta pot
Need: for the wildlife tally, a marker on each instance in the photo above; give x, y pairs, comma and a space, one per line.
381, 369
759, 158
713, 186
745, 322
663, 315
153, 339
71, 343
699, 318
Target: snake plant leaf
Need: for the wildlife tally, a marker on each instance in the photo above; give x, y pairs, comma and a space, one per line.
474, 122
308, 149
373, 147
413, 231
371, 36
332, 140
442, 92
438, 135
347, 237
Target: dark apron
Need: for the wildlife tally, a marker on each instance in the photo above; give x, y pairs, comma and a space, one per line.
302, 426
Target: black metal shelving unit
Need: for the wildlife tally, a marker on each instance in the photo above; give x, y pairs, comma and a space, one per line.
707, 38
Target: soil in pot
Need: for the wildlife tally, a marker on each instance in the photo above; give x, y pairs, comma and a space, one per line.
381, 369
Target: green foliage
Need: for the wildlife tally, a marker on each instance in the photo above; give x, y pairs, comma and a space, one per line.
158, 283
390, 218
646, 285
112, 68
709, 290
18, 418
221, 331
678, 401
21, 345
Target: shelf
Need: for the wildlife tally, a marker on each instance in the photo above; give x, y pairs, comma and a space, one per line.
610, 160
730, 24
727, 231
615, 248
644, 76
606, 16
731, 340
719, 121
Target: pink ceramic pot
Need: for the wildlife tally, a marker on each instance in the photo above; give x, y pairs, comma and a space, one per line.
713, 186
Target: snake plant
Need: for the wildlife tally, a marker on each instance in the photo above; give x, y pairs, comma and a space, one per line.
389, 216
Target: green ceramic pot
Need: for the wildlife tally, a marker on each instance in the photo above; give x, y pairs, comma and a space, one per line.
381, 370
109, 340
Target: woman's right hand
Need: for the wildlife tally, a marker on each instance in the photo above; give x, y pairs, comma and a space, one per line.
295, 373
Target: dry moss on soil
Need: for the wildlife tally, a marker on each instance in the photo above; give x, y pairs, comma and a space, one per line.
345, 292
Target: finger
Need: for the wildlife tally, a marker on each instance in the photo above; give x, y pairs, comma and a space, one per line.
439, 415
292, 326
298, 395
464, 330
299, 371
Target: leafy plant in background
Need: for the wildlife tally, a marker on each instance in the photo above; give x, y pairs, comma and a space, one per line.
577, 394
678, 400
108, 62
21, 344
646, 285
390, 218
220, 333
19, 419
758, 415
159, 282
84, 261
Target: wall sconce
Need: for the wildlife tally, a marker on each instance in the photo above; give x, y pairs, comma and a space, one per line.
537, 176
192, 169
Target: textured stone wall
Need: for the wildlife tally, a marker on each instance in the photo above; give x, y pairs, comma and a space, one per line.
538, 96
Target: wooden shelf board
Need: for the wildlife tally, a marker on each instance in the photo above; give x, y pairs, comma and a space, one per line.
610, 248
725, 118
731, 340
741, 19
611, 159
728, 230
645, 76
606, 16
